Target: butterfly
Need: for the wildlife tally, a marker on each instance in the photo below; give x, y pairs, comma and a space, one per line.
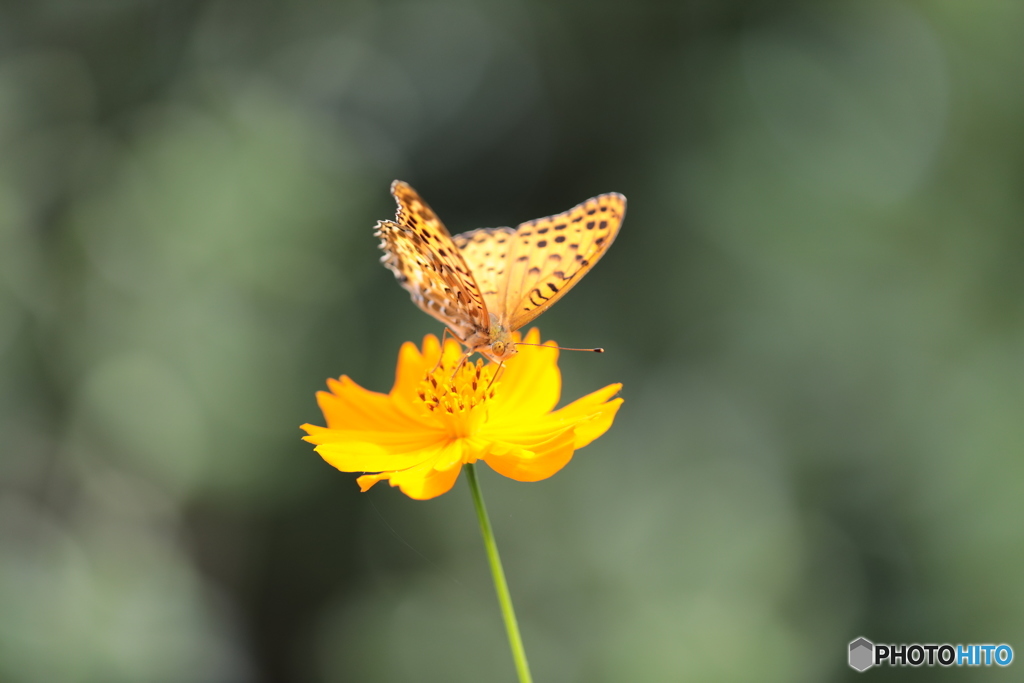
485, 284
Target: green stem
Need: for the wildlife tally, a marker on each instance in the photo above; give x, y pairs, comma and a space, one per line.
515, 641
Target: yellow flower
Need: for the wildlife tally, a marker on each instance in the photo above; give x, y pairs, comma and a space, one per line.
419, 435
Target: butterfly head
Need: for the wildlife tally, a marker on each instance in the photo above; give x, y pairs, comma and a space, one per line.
500, 346
500, 350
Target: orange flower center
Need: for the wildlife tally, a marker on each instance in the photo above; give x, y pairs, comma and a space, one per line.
459, 392
454, 396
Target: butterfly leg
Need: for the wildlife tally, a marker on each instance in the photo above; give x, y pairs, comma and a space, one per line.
444, 335
462, 361
501, 367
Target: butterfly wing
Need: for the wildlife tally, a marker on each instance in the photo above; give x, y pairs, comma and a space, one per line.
425, 261
486, 253
534, 265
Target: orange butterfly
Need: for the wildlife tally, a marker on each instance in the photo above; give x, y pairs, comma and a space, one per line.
485, 284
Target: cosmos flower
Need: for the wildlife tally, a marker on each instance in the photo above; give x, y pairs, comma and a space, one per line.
437, 418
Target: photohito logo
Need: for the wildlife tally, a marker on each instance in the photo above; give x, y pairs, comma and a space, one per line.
864, 654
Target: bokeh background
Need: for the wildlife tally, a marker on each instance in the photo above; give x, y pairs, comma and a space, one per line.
815, 305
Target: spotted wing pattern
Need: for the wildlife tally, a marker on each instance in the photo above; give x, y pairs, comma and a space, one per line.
485, 252
522, 272
425, 261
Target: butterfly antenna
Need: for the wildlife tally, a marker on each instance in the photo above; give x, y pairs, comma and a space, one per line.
561, 348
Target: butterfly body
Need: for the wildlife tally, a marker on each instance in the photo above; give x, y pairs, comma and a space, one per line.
485, 284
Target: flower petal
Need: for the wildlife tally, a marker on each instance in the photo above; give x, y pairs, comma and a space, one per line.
350, 406
451, 455
591, 416
394, 441
367, 481
540, 462
421, 482
414, 364
413, 367
530, 383
368, 452
475, 448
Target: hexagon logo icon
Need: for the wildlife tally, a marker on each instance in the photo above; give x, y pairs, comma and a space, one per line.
862, 654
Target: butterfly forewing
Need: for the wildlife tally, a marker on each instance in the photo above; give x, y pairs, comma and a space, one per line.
486, 253
544, 258
423, 257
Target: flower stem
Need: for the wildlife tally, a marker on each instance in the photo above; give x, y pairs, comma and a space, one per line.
515, 641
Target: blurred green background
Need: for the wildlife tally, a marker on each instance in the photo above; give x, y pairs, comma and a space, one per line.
815, 305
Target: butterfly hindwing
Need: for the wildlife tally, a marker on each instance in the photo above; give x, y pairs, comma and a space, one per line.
547, 256
426, 262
